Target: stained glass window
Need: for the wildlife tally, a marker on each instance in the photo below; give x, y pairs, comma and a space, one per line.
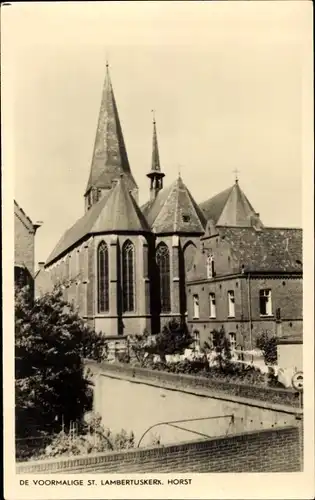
128, 277
163, 262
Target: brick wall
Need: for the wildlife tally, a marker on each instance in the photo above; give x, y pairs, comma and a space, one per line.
270, 450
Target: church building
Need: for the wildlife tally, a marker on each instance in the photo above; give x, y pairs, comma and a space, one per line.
129, 268
122, 265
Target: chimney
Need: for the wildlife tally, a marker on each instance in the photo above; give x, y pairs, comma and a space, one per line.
41, 265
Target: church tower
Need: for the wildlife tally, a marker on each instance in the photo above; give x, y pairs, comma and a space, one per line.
155, 175
110, 158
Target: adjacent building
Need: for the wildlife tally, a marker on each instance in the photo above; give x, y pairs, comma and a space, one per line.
24, 248
245, 277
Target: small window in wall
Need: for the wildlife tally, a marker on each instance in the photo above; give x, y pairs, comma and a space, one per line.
212, 309
232, 338
265, 306
196, 306
210, 267
231, 303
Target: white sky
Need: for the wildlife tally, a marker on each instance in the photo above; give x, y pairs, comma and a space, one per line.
225, 79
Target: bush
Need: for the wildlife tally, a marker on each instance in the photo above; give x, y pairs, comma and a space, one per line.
268, 345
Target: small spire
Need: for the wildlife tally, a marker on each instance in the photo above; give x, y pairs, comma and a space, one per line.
236, 176
179, 168
155, 165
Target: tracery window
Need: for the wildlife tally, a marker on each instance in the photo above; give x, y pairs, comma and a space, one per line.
128, 276
163, 262
103, 281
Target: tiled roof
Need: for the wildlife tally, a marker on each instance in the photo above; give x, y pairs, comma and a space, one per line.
273, 250
174, 210
116, 211
109, 156
229, 208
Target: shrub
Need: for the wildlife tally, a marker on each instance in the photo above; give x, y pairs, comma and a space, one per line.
268, 345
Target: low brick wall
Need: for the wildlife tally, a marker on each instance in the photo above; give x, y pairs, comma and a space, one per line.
270, 394
269, 450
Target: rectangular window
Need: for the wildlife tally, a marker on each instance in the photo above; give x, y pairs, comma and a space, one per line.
210, 267
231, 303
196, 306
212, 309
265, 306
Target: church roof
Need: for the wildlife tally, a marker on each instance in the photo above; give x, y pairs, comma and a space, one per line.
174, 211
110, 157
116, 211
229, 208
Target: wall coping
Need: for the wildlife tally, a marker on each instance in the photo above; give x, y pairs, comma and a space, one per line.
208, 393
134, 374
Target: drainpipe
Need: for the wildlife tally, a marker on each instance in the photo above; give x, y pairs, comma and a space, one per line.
249, 310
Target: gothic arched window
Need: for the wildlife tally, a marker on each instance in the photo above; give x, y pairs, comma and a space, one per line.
163, 262
128, 277
102, 275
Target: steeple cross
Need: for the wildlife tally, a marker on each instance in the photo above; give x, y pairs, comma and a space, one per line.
236, 176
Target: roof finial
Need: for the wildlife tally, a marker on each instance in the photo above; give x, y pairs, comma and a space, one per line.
179, 168
153, 115
106, 59
236, 176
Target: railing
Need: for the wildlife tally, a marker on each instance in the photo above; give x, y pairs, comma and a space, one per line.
172, 423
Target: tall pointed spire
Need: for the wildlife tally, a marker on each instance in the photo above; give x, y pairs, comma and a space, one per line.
109, 155
155, 175
155, 165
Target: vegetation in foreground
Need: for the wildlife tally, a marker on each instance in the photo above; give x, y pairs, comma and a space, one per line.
51, 389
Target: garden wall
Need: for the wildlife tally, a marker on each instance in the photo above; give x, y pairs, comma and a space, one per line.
217, 386
271, 450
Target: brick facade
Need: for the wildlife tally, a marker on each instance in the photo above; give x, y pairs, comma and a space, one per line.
286, 294
247, 321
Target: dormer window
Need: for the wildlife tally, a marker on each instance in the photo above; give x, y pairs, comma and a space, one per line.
210, 267
186, 218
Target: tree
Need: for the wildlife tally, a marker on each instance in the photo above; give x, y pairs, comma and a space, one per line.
173, 339
51, 341
268, 345
222, 347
